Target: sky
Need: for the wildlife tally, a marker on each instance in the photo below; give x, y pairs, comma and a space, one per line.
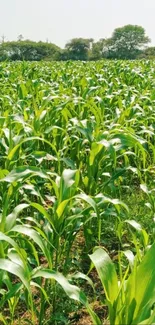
58, 21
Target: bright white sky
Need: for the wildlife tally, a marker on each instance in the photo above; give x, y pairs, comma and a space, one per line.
60, 20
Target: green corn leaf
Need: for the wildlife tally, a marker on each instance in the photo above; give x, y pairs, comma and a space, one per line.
2, 319
34, 235
42, 210
11, 218
106, 272
144, 290
71, 290
17, 270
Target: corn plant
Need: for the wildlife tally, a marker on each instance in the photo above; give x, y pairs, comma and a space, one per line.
130, 300
76, 141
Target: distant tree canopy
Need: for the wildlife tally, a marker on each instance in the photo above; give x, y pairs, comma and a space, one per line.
97, 50
128, 42
78, 49
29, 51
148, 53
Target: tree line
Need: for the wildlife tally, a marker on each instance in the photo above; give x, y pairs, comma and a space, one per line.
126, 43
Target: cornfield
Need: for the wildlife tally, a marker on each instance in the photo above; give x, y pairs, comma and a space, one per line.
77, 203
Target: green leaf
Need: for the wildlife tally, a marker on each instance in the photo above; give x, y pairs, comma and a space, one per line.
68, 183
41, 209
144, 290
62, 207
106, 272
11, 218
17, 270
14, 150
33, 234
71, 290
24, 172
2, 319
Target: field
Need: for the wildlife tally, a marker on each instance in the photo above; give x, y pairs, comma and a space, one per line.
77, 202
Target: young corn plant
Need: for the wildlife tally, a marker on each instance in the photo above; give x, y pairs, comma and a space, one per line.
131, 299
76, 141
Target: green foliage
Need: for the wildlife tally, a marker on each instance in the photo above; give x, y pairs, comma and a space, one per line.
148, 53
126, 42
76, 139
132, 301
78, 49
96, 52
29, 51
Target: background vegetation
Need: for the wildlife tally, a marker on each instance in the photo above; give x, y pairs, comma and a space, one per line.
128, 42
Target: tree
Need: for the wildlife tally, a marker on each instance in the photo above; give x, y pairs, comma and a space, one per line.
126, 42
148, 53
20, 38
30, 51
3, 38
78, 49
96, 52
